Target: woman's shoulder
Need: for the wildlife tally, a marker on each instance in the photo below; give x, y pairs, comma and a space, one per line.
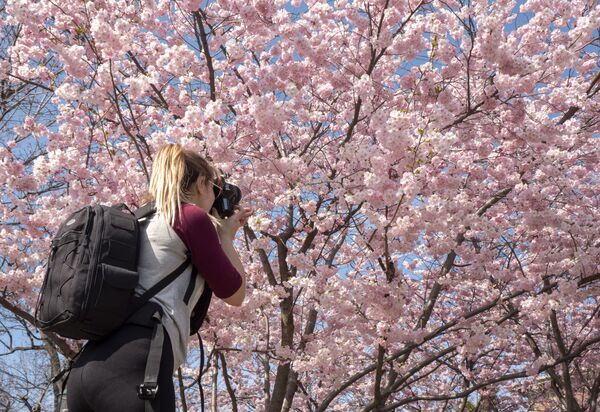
194, 226
192, 214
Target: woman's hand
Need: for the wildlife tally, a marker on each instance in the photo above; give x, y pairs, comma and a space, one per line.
229, 226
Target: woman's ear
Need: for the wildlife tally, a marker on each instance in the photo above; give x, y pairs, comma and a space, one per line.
200, 185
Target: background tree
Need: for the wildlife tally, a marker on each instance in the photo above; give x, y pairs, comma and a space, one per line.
425, 174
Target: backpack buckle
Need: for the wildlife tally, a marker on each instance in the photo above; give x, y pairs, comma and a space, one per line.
147, 391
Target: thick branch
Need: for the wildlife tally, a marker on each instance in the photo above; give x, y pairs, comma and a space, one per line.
377, 399
410, 373
264, 259
572, 405
199, 31
184, 407
230, 390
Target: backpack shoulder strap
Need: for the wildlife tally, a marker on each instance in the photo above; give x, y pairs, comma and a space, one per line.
145, 211
163, 283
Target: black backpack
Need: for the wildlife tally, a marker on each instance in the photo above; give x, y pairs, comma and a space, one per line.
88, 290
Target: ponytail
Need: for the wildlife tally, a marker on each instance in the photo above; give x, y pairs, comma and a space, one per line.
174, 172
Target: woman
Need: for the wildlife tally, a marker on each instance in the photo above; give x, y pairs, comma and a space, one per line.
106, 376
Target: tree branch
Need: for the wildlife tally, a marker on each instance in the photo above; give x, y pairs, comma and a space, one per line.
511, 376
52, 337
202, 40
234, 406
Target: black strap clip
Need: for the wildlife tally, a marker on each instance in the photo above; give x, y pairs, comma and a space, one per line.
147, 390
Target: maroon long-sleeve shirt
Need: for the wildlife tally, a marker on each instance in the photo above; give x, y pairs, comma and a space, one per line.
197, 231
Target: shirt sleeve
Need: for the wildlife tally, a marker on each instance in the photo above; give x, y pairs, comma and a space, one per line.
197, 231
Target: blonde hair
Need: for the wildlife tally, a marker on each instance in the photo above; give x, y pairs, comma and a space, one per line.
174, 172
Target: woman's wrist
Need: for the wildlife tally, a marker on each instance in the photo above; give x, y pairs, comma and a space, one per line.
226, 237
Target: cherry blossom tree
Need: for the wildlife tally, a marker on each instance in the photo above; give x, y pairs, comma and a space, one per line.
425, 175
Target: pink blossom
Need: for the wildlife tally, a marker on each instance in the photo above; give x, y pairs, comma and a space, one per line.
436, 172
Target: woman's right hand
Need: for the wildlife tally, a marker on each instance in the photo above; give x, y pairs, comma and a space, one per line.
229, 226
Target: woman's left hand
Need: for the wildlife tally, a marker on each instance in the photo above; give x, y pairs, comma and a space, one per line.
230, 225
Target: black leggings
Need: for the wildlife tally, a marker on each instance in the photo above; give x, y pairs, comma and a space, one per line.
105, 376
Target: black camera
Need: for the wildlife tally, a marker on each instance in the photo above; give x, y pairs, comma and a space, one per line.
227, 197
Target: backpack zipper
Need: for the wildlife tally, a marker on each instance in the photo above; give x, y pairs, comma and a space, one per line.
93, 256
69, 236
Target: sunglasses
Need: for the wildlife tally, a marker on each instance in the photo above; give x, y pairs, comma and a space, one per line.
216, 188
